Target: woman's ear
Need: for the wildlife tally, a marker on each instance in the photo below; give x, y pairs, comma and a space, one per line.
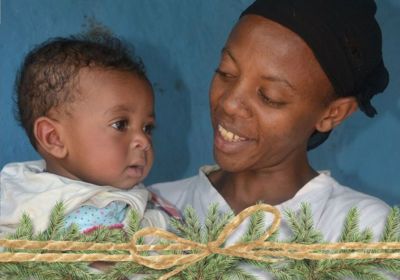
337, 111
49, 138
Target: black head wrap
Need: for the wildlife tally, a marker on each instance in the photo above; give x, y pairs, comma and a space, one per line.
344, 37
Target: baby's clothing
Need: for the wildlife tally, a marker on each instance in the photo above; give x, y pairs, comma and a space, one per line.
26, 188
87, 217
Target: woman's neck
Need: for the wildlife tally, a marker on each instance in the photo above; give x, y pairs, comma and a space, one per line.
243, 189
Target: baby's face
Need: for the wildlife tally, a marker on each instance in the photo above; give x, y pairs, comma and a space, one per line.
108, 130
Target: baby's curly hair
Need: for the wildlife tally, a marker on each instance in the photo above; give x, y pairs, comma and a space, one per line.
46, 77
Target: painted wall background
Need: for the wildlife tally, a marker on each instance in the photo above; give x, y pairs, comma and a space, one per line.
179, 42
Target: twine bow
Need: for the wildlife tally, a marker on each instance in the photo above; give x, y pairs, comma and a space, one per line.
191, 252
200, 251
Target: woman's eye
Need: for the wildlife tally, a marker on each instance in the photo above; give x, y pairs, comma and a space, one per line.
267, 100
148, 129
224, 74
120, 125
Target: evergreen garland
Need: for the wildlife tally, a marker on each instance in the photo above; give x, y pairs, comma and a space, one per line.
78, 270
214, 266
305, 233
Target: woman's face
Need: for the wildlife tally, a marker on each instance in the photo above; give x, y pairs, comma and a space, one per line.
266, 97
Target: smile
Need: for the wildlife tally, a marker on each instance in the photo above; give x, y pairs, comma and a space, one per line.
228, 135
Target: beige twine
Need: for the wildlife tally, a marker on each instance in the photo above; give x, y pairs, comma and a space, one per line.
258, 250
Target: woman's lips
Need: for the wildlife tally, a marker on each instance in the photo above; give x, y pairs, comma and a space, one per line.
228, 142
228, 135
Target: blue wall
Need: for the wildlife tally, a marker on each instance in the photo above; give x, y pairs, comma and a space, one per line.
180, 41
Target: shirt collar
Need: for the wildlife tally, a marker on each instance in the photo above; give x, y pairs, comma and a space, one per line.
314, 192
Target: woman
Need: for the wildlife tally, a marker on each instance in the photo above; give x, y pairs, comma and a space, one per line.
289, 73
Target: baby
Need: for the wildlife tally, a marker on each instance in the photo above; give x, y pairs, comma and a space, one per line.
87, 108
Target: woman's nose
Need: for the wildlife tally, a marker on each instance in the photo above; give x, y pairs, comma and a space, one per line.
235, 102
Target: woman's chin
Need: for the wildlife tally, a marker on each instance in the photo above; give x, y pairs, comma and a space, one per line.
229, 162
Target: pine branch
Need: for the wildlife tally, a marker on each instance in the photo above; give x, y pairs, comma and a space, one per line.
215, 222
391, 266
361, 272
256, 227
16, 271
133, 223
190, 228
211, 222
24, 229
123, 270
71, 233
391, 232
213, 267
302, 225
56, 223
193, 227
350, 226
351, 231
237, 273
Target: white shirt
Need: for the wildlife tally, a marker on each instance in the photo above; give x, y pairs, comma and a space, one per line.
330, 202
25, 188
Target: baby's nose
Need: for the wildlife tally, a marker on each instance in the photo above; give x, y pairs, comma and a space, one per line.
141, 141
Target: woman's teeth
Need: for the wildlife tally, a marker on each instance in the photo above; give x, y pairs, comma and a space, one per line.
229, 136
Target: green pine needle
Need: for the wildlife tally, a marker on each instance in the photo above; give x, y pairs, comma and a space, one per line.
56, 223
24, 229
219, 267
302, 225
256, 227
391, 232
215, 222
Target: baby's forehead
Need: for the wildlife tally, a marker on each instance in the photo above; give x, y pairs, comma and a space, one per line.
89, 74
88, 79
111, 88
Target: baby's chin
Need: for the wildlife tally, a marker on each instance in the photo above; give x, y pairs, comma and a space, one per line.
130, 178
126, 186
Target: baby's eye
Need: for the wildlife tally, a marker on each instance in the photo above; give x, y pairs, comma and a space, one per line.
120, 125
148, 129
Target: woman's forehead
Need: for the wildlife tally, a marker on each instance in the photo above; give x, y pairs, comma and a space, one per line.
260, 36
271, 46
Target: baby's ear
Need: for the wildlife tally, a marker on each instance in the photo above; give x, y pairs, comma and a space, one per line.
337, 111
48, 137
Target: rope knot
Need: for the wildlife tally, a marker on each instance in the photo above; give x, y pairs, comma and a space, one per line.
213, 248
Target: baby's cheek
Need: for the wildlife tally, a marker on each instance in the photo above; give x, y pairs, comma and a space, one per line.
150, 158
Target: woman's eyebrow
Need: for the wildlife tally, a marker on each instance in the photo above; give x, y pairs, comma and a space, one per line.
226, 51
278, 79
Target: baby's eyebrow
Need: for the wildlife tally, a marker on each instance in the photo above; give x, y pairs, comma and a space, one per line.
117, 109
121, 108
